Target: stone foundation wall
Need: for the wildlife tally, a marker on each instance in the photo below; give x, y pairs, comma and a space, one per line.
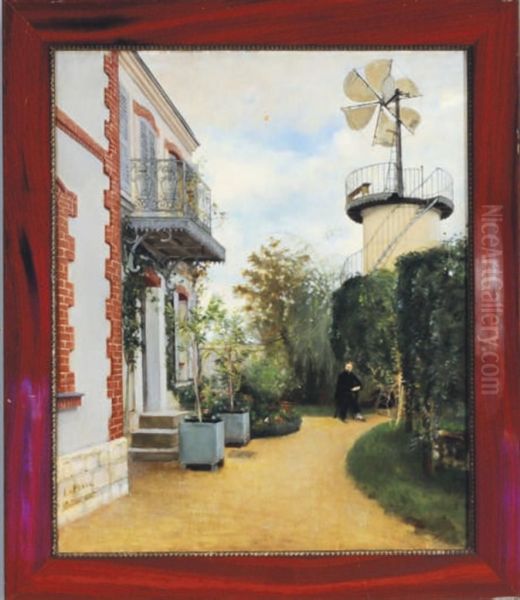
90, 478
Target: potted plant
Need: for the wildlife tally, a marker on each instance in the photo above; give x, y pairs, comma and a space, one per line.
231, 350
201, 437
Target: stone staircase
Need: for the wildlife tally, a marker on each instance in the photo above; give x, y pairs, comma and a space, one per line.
157, 438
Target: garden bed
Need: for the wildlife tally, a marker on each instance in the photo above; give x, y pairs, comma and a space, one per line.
259, 430
385, 468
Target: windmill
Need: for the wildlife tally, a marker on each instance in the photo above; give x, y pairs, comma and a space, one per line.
402, 215
378, 89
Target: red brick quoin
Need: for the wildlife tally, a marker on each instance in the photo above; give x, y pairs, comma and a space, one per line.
66, 208
111, 168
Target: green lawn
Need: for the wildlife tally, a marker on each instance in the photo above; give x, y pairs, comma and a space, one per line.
323, 410
385, 469
314, 410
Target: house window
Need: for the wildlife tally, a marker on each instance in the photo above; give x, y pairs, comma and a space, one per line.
124, 129
147, 138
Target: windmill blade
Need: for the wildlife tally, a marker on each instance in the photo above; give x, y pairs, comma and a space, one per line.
359, 116
388, 90
376, 72
410, 118
407, 87
385, 132
357, 89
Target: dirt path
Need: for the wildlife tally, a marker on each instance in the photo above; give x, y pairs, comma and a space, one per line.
278, 494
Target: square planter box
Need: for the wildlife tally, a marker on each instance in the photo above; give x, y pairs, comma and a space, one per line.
237, 428
201, 444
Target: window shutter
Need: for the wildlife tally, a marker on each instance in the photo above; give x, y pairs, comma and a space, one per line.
148, 165
147, 137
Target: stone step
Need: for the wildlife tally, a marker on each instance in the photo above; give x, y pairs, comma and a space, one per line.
161, 420
154, 454
158, 438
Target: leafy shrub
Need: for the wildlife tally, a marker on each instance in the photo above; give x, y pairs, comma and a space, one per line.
268, 381
186, 396
364, 328
432, 318
273, 427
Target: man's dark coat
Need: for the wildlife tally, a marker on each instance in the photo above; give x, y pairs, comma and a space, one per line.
346, 381
346, 399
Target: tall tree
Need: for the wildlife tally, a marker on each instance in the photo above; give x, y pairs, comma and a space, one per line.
272, 280
364, 326
288, 300
309, 327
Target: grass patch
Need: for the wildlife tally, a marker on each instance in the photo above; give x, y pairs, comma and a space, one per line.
386, 469
323, 410
314, 410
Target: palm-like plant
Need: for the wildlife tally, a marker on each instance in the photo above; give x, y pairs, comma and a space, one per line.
231, 350
195, 331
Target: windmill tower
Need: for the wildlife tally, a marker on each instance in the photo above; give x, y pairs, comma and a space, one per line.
399, 208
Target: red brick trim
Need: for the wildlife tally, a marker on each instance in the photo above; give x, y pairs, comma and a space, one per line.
66, 208
111, 168
71, 128
172, 148
142, 111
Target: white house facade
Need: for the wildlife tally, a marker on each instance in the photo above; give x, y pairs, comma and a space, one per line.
128, 199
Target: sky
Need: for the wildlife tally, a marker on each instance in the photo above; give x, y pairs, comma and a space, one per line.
275, 148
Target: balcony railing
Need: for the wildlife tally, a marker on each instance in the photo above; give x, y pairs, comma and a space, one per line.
170, 188
382, 179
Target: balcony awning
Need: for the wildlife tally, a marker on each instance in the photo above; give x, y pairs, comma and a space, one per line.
171, 237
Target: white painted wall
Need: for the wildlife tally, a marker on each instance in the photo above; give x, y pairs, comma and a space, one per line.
165, 132
133, 391
79, 80
155, 355
82, 173
423, 234
149, 382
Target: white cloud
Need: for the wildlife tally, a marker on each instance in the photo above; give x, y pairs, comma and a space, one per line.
283, 88
276, 150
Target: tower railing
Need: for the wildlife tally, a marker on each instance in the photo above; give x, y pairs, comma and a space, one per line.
381, 178
438, 184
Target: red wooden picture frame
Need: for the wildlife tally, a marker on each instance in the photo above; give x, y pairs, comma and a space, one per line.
488, 30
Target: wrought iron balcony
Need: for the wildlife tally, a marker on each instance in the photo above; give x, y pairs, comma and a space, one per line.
172, 207
377, 184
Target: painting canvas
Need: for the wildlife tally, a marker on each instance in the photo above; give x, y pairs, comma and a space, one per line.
36, 399
260, 280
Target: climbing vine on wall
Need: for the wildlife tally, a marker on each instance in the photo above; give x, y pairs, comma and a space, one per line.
169, 317
136, 260
134, 287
